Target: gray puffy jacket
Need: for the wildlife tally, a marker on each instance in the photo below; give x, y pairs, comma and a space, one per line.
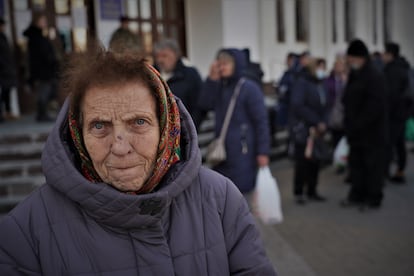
196, 223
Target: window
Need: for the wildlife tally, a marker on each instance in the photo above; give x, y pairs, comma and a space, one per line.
349, 20
302, 22
154, 20
280, 19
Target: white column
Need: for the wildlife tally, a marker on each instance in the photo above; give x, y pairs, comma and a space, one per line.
269, 47
317, 28
363, 20
204, 32
402, 27
290, 23
380, 24
241, 25
340, 21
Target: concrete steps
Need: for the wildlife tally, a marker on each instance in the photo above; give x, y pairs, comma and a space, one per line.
21, 145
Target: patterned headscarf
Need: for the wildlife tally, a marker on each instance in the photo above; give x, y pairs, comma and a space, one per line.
169, 146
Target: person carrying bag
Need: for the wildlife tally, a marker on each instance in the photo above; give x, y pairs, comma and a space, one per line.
216, 150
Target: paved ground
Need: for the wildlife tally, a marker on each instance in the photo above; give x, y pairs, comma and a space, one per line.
324, 239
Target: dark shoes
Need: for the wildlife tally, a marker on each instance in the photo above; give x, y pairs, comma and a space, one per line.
301, 200
316, 198
398, 178
360, 205
346, 203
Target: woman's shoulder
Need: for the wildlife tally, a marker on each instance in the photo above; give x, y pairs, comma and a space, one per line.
216, 186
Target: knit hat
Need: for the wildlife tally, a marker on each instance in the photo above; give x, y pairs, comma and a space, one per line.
357, 48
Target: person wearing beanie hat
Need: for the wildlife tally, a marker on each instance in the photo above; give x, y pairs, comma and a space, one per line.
365, 121
396, 72
357, 53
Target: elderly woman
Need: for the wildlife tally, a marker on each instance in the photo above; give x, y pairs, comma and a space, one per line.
125, 191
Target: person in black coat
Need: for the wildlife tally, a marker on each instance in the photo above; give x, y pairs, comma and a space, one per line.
307, 111
7, 72
43, 64
365, 119
184, 81
396, 73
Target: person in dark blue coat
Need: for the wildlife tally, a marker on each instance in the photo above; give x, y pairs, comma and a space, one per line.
247, 142
283, 88
307, 110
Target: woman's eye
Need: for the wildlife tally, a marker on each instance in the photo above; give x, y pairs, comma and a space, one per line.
139, 122
98, 125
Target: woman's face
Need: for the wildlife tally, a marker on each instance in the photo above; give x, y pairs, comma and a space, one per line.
226, 67
121, 133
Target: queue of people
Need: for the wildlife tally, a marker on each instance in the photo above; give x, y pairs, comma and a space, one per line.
362, 99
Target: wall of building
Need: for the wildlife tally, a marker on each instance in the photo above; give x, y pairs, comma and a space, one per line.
402, 27
204, 32
213, 24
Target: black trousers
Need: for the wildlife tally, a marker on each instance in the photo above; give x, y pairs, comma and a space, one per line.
366, 166
397, 145
306, 173
46, 91
5, 99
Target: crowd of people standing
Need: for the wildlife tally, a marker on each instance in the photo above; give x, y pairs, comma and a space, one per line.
365, 100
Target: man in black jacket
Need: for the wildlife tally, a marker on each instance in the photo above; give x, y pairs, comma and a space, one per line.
184, 81
366, 127
43, 64
396, 73
7, 73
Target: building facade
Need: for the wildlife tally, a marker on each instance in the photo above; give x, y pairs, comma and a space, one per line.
269, 28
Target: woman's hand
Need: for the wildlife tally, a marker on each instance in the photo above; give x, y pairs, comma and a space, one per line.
262, 160
214, 71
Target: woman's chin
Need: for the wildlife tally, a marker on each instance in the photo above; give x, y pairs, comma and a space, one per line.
126, 186
126, 182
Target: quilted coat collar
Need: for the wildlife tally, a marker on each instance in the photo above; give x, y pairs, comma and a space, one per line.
102, 202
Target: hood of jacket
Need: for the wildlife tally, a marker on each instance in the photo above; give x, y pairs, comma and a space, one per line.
240, 62
32, 31
101, 201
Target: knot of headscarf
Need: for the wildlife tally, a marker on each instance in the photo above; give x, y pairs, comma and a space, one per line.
169, 146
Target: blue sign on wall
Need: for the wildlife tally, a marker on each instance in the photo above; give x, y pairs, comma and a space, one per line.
2, 8
111, 9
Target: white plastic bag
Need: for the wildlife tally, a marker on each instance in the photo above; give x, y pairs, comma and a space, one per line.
341, 153
267, 197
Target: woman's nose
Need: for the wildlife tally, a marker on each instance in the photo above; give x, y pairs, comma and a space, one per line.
121, 145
